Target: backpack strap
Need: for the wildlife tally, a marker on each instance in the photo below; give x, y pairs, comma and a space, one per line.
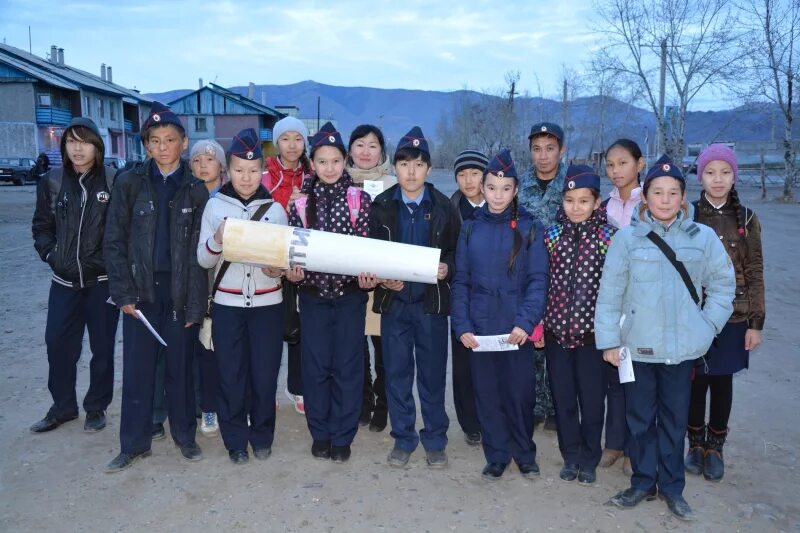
679, 266
354, 204
300, 206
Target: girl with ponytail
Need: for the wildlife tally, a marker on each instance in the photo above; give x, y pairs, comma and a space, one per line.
739, 230
499, 290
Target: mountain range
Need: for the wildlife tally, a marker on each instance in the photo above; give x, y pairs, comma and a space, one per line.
397, 110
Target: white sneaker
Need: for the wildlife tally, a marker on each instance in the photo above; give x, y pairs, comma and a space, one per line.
208, 424
297, 400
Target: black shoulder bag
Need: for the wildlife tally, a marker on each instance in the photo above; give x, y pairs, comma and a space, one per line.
669, 253
205, 329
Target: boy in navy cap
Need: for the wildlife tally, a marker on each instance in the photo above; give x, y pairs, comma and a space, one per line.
414, 322
540, 194
150, 251
577, 244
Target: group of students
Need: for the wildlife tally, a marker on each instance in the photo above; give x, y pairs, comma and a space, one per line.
572, 284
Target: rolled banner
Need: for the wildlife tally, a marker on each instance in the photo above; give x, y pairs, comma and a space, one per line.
265, 244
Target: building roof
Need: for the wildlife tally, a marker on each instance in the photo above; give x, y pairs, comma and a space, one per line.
247, 103
64, 76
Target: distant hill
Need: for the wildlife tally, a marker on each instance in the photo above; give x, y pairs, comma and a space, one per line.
397, 110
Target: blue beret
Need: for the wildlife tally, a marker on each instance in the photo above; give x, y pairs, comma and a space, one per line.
502, 165
327, 136
664, 167
160, 115
547, 128
414, 139
246, 145
581, 177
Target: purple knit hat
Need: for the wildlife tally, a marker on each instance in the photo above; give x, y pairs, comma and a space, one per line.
717, 152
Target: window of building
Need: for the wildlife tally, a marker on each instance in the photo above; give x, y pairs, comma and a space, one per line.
112, 110
101, 109
200, 124
87, 104
44, 99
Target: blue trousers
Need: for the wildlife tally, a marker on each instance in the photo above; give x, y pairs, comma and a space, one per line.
505, 396
248, 344
69, 313
616, 427
409, 337
139, 354
463, 391
578, 381
332, 345
657, 410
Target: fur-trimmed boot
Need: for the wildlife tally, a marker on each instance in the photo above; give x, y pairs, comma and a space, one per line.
694, 462
713, 465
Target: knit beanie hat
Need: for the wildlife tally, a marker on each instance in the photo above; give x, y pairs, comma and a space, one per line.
208, 147
289, 124
470, 159
717, 152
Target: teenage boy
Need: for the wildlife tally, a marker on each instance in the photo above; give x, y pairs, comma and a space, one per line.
414, 326
150, 249
540, 194
468, 167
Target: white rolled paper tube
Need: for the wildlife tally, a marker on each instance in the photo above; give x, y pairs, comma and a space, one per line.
259, 243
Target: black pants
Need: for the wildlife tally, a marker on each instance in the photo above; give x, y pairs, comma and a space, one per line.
69, 313
463, 391
721, 388
374, 391
139, 354
578, 380
248, 343
294, 376
208, 386
616, 427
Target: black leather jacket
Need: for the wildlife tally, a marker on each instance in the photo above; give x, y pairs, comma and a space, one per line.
130, 238
69, 222
444, 227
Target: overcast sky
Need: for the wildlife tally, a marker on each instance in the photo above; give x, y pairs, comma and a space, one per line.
157, 46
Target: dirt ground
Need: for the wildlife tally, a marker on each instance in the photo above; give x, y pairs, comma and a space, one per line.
55, 481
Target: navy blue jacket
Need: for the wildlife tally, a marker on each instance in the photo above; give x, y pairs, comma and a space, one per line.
487, 299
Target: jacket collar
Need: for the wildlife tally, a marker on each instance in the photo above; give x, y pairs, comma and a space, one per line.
642, 225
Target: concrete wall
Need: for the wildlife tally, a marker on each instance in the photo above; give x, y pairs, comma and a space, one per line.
226, 126
19, 103
17, 120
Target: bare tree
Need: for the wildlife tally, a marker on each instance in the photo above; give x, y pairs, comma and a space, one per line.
693, 41
770, 50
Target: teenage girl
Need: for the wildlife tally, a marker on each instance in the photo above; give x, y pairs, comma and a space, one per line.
499, 289
739, 230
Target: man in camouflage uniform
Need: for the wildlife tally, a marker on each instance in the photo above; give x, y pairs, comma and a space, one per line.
540, 194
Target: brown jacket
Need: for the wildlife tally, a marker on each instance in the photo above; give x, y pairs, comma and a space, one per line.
745, 253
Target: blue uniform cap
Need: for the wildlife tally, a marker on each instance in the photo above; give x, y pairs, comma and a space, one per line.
502, 166
160, 115
664, 167
328, 136
414, 139
547, 128
581, 177
246, 145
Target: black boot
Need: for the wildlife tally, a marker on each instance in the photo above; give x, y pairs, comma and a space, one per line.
697, 448
713, 465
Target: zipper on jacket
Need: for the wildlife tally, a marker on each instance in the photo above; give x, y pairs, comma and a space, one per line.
84, 195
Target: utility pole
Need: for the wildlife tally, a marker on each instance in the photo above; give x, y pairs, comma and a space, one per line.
661, 119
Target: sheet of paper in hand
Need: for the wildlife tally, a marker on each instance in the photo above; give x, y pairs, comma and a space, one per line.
494, 343
625, 366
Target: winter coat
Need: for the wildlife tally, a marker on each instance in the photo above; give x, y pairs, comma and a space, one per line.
130, 238
577, 253
444, 226
662, 322
487, 298
242, 285
69, 223
333, 215
745, 252
542, 203
280, 181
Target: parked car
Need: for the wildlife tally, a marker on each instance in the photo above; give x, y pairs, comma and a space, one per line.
18, 170
116, 162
